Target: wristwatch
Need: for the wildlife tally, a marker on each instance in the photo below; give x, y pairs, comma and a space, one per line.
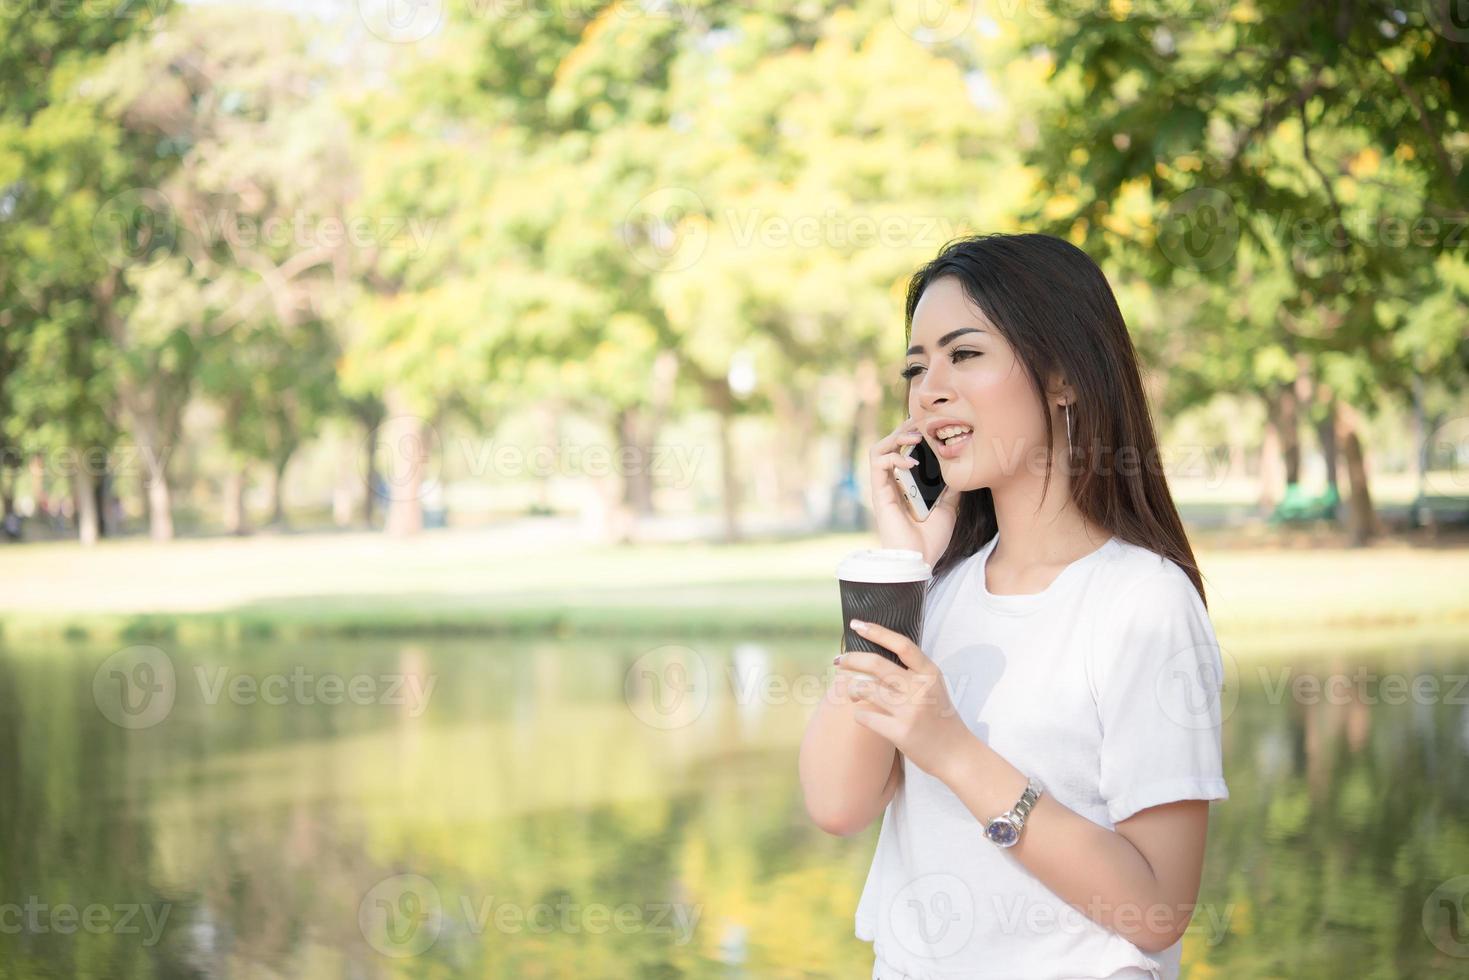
1005, 829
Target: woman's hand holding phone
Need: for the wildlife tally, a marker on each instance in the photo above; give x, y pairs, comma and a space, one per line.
896, 525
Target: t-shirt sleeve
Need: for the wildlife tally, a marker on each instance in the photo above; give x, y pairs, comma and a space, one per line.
1158, 677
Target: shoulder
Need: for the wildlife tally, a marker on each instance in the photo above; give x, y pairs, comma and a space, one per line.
1147, 611
1137, 579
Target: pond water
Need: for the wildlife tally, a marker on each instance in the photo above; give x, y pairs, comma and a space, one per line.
614, 808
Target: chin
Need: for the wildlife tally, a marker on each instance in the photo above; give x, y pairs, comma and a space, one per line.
972, 483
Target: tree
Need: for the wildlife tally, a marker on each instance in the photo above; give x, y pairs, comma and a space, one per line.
1282, 159
241, 274
61, 160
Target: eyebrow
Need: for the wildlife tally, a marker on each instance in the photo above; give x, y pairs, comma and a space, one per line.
947, 338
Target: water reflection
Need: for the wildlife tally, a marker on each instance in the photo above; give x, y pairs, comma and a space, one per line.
600, 808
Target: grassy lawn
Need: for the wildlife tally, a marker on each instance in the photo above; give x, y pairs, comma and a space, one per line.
484, 581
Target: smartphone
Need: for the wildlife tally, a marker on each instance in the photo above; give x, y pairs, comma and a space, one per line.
921, 484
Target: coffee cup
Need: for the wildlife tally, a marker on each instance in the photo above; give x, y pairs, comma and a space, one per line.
884, 586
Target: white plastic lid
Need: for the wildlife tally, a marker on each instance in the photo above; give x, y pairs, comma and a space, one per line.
884, 565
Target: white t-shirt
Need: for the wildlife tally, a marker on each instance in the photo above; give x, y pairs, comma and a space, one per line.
1106, 687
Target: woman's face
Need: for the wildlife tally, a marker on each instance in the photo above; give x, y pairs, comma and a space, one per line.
962, 369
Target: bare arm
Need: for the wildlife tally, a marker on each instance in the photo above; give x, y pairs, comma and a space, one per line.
848, 773
1140, 880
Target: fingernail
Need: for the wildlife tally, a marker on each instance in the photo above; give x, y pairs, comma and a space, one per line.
837, 659
858, 625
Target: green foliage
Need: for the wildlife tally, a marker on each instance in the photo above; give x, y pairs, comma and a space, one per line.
60, 159
1298, 169
554, 204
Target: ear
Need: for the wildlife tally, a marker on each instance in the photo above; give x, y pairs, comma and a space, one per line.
1059, 392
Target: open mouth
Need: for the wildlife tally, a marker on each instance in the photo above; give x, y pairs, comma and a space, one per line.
953, 435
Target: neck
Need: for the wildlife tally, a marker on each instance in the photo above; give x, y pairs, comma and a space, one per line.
1041, 531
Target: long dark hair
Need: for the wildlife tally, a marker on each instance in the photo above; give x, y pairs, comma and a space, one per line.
1056, 309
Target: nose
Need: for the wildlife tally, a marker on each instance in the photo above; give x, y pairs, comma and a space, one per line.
932, 390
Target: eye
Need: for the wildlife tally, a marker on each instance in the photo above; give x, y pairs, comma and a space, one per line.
958, 355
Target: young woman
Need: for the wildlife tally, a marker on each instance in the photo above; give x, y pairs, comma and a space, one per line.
1068, 680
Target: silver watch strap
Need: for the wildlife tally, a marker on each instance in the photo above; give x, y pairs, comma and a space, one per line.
1032, 793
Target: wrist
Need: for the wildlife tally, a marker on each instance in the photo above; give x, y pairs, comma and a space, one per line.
976, 772
964, 761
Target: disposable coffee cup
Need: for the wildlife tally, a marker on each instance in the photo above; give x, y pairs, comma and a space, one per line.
883, 586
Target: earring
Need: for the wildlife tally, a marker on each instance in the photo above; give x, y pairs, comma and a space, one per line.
1070, 453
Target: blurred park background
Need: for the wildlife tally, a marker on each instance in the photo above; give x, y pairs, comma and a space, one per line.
428, 431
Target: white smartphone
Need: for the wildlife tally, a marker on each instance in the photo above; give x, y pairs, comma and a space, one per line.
921, 484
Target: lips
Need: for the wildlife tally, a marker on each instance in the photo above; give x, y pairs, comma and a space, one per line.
954, 447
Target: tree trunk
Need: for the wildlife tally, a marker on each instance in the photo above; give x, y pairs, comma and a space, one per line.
550, 422
793, 456
865, 422
84, 492
44, 506
142, 488
1272, 468
634, 459
234, 500
404, 439
1282, 407
1326, 436
370, 477
342, 488
368, 412
277, 491
1362, 518
160, 505
1422, 426
100, 492
723, 402
155, 431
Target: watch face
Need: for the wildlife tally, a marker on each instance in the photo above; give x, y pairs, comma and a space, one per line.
1002, 831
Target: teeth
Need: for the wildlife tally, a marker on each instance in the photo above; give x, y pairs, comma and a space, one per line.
947, 431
